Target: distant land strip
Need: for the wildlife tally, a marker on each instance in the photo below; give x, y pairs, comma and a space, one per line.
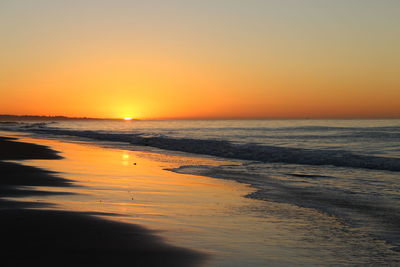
7, 117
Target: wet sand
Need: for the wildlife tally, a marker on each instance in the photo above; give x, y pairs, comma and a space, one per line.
49, 237
100, 186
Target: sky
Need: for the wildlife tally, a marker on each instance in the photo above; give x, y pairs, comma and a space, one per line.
200, 59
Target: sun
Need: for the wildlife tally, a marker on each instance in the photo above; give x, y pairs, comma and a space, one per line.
128, 118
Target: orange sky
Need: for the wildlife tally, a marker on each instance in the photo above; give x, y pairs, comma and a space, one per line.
200, 59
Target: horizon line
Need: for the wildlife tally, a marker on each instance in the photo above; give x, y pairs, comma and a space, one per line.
13, 116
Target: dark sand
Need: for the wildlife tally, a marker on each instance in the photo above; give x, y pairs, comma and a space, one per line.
63, 238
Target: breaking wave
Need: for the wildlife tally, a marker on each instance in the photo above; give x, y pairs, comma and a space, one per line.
226, 149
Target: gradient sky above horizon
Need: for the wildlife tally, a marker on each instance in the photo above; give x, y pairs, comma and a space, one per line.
201, 59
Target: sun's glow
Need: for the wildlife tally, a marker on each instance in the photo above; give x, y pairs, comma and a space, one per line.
194, 72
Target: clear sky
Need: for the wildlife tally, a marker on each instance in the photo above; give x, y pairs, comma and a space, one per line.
200, 59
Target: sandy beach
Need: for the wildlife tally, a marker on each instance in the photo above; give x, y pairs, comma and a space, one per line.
202, 214
35, 235
83, 202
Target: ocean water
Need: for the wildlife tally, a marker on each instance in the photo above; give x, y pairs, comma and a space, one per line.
348, 170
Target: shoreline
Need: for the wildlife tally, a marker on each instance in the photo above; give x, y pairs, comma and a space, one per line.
69, 238
192, 210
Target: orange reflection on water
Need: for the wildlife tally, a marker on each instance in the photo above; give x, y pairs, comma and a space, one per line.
192, 211
135, 184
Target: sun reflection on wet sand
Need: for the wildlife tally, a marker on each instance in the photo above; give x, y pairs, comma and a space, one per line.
125, 158
135, 186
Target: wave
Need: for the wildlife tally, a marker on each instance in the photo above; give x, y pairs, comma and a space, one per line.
352, 197
226, 149
376, 135
302, 128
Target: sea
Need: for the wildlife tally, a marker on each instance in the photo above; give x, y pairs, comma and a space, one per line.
348, 170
